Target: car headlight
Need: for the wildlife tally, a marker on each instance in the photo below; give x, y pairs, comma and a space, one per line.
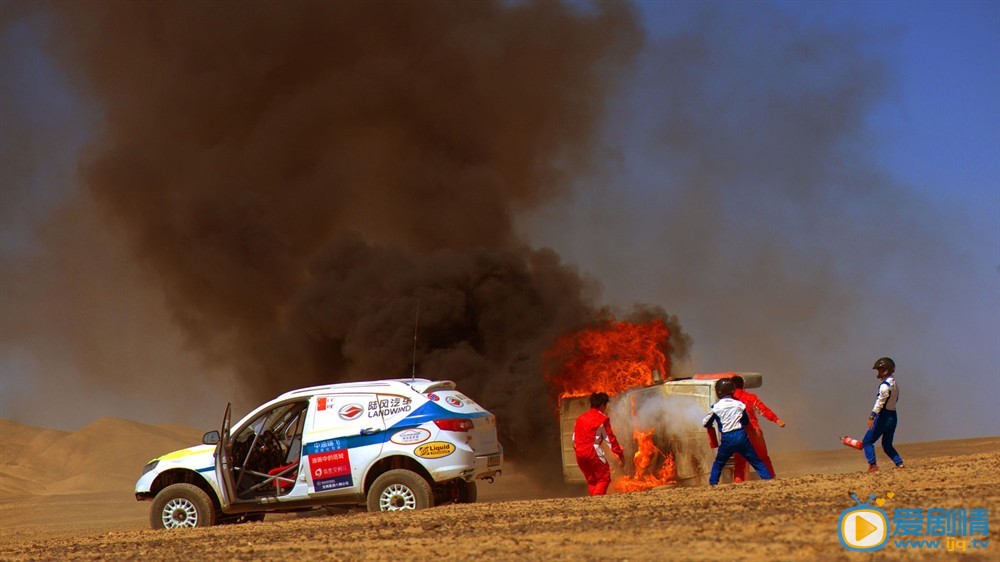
149, 466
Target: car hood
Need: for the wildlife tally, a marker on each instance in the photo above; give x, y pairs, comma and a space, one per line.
197, 450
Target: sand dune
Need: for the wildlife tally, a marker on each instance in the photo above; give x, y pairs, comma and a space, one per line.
64, 490
106, 455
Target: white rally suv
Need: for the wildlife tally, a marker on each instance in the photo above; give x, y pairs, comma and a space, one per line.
391, 444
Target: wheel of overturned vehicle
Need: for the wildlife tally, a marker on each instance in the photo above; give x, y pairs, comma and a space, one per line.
182, 505
398, 490
467, 492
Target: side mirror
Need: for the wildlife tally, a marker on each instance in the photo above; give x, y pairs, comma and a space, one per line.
211, 438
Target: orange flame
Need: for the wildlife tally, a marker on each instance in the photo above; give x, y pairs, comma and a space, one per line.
644, 462
612, 358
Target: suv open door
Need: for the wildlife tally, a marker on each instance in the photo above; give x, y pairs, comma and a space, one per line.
224, 464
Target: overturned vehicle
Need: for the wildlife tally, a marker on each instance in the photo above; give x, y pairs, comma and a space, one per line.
388, 445
659, 427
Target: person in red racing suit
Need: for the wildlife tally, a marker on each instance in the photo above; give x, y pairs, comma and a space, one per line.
754, 432
589, 433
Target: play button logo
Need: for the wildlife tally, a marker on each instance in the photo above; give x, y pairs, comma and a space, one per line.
863, 528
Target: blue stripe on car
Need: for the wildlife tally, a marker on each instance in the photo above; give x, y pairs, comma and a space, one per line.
430, 411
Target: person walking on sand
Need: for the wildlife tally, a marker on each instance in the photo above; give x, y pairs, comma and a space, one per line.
731, 416
882, 420
592, 428
754, 432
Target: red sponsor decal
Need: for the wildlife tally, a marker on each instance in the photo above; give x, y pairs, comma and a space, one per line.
433, 397
329, 464
321, 403
351, 411
455, 402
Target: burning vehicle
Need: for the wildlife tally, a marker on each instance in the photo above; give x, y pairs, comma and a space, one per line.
391, 445
659, 426
657, 416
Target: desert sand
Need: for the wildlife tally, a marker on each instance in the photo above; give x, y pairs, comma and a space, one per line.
68, 495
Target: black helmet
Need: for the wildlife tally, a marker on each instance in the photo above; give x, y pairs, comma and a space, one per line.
885, 363
724, 386
599, 399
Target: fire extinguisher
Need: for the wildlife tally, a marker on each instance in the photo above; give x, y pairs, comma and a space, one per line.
713, 441
852, 442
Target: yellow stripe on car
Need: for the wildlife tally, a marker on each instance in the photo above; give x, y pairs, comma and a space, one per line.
196, 450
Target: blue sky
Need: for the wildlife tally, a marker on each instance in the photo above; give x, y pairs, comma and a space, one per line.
800, 237
939, 125
941, 130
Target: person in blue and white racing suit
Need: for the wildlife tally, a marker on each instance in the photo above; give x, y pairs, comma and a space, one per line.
731, 416
882, 420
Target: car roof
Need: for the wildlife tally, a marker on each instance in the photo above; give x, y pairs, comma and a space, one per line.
419, 385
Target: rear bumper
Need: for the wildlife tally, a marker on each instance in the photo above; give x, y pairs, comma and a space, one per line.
467, 465
488, 466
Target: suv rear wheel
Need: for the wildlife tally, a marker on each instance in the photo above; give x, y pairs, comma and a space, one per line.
399, 489
182, 505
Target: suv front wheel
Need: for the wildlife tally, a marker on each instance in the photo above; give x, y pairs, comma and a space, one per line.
182, 505
399, 489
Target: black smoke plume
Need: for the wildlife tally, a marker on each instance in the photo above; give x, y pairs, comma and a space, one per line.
306, 179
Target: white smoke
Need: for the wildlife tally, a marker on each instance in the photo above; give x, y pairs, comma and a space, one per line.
669, 414
676, 420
